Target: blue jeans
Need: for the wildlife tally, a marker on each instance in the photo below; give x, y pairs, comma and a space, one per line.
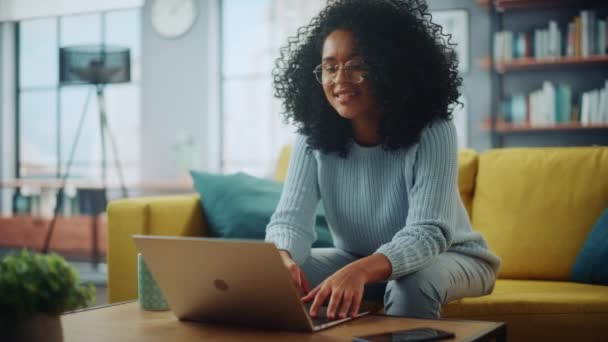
420, 294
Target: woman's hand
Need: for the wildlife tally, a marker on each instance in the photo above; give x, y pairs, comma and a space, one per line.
345, 287
297, 276
344, 290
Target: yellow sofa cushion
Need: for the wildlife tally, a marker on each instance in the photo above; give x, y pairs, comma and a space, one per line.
535, 206
163, 215
533, 309
282, 164
467, 171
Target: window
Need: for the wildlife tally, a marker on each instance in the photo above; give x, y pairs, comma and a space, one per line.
49, 114
38, 97
252, 33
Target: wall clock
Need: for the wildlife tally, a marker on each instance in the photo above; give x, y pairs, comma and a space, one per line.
172, 18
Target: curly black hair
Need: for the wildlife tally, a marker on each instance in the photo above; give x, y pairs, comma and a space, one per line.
413, 72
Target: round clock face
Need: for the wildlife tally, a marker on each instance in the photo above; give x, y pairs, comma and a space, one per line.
172, 18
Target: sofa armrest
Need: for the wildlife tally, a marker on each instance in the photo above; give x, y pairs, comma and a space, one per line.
164, 215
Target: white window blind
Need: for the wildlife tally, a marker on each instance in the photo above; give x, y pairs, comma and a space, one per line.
253, 31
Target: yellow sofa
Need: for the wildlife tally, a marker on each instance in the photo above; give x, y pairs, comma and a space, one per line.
535, 207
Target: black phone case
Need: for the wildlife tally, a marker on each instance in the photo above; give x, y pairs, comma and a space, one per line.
401, 336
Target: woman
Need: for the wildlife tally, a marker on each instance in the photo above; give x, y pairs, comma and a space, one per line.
370, 86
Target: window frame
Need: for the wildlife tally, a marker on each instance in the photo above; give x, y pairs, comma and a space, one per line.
224, 78
59, 167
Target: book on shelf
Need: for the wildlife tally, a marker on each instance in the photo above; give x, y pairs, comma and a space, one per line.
555, 104
594, 106
584, 36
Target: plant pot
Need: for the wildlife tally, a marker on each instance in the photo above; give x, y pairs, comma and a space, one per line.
38, 328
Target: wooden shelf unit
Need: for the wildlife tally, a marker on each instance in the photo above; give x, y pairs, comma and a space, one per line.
503, 5
484, 3
81, 236
506, 127
73, 235
533, 63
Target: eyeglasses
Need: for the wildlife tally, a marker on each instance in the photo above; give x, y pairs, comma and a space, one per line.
354, 69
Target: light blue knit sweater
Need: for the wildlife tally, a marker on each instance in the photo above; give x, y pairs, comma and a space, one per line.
404, 204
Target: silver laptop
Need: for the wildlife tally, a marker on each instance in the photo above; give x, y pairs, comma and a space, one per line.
228, 282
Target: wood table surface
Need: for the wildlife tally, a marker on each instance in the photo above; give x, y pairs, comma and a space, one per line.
128, 322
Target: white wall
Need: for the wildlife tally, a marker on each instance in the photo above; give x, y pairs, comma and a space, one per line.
180, 85
13, 10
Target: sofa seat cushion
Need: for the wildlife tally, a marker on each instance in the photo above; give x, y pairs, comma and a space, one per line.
540, 310
527, 297
467, 171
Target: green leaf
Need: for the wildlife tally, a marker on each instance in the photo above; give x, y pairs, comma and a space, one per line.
31, 282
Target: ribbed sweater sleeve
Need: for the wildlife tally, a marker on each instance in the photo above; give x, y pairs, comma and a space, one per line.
291, 227
432, 201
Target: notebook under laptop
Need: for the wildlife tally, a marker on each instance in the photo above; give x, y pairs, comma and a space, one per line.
227, 281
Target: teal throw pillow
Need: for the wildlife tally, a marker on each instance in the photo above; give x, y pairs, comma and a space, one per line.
240, 206
590, 265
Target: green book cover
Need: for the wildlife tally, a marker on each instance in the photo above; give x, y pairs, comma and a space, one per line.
559, 116
566, 103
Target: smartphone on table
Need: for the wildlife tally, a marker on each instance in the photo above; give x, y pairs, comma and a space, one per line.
410, 335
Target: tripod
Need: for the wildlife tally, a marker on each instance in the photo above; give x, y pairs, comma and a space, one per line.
103, 130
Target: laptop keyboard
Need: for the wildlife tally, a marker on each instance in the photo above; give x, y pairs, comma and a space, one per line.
321, 315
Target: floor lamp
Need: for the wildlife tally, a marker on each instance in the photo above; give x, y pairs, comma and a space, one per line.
97, 65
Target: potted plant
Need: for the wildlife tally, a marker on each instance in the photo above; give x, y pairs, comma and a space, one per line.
34, 290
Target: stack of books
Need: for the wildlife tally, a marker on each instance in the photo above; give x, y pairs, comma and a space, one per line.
584, 36
594, 106
554, 104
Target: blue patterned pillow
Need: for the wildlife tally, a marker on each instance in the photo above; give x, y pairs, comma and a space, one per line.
591, 264
240, 206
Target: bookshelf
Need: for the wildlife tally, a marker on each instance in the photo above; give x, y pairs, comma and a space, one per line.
538, 82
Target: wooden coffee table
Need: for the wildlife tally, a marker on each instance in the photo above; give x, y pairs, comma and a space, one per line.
128, 322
